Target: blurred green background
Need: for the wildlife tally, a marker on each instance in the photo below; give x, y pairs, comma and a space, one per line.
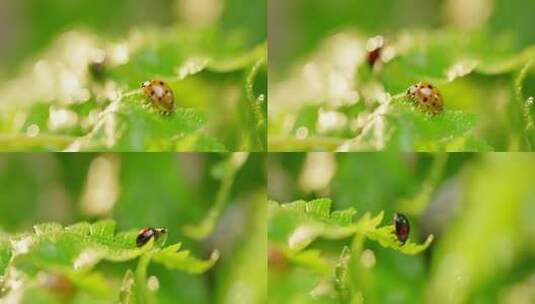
326, 97
138, 190
28, 26
297, 27
479, 207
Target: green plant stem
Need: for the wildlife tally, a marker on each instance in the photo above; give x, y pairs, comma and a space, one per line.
232, 165
255, 104
142, 293
355, 270
528, 128
417, 204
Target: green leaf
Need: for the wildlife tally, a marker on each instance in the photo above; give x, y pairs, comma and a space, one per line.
172, 258
367, 223
319, 209
299, 223
400, 126
386, 237
127, 125
83, 245
78, 247
296, 225
525, 106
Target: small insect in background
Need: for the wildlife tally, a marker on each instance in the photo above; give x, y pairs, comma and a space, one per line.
160, 95
402, 227
145, 234
97, 69
374, 48
426, 96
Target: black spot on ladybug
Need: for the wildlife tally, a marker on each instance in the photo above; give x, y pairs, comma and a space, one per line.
402, 227
145, 234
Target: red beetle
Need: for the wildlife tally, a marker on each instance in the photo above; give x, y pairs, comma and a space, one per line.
374, 48
146, 233
402, 227
374, 55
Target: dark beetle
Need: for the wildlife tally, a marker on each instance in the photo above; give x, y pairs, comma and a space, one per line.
146, 233
402, 227
374, 55
374, 48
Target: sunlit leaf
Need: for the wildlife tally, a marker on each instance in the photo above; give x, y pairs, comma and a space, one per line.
174, 258
386, 237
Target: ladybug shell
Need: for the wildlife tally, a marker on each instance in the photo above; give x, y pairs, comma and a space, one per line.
401, 224
146, 233
160, 94
426, 96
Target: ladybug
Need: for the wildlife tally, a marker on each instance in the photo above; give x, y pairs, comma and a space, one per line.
144, 235
160, 95
426, 96
98, 69
401, 224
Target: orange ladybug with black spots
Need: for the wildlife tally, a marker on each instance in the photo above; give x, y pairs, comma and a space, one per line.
426, 96
160, 95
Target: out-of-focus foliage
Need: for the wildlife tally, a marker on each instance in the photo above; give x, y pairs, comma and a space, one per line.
326, 95
478, 207
73, 78
88, 263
